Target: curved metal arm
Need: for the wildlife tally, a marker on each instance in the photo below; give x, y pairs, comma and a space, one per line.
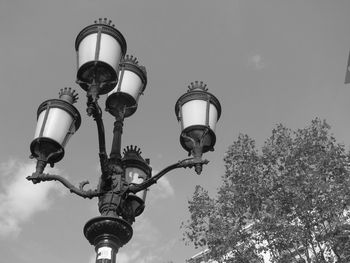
37, 178
186, 163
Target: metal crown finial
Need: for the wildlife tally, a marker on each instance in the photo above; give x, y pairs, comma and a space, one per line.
130, 59
132, 150
133, 60
104, 21
197, 85
68, 94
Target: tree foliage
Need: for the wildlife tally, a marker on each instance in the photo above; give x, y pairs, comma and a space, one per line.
290, 200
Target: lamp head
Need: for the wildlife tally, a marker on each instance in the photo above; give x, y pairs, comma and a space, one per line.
57, 121
137, 170
198, 112
131, 84
99, 47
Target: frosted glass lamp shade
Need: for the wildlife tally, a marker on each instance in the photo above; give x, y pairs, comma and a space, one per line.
99, 47
132, 82
198, 112
137, 170
194, 112
57, 120
136, 176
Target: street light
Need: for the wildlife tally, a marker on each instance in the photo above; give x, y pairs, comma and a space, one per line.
104, 68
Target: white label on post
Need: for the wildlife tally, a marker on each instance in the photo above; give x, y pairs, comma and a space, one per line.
104, 253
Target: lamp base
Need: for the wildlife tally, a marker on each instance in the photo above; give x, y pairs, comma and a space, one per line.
46, 149
137, 204
98, 72
118, 99
196, 137
105, 228
107, 234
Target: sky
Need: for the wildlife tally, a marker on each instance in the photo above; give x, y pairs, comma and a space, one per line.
267, 61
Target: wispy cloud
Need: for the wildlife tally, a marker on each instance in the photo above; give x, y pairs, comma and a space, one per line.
145, 255
19, 198
256, 61
92, 258
161, 190
145, 232
123, 257
147, 246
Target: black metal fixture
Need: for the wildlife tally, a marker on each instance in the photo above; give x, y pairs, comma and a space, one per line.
104, 68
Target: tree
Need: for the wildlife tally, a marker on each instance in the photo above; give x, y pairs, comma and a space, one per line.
290, 200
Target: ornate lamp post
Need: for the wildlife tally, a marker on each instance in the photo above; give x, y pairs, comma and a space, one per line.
104, 68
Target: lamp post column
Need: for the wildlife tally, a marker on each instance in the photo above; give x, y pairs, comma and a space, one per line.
117, 133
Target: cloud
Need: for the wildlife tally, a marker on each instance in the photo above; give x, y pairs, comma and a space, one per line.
145, 232
92, 258
20, 199
123, 257
161, 190
256, 61
150, 254
146, 246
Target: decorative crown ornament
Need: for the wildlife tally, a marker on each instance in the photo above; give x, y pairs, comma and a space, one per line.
68, 94
132, 150
197, 85
104, 21
130, 59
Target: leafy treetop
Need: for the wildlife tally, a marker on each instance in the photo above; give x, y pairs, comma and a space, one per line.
290, 200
